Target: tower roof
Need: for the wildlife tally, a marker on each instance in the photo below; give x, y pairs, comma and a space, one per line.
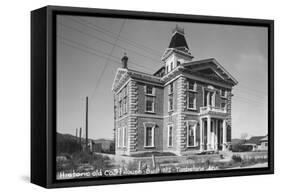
178, 39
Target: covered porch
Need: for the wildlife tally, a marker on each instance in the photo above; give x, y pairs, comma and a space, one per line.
213, 133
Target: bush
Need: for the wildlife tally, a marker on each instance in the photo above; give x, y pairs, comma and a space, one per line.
68, 146
236, 158
241, 148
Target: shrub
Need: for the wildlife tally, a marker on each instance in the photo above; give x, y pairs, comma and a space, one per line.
241, 148
236, 158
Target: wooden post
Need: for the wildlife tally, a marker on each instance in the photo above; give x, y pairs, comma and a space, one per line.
76, 135
86, 127
80, 136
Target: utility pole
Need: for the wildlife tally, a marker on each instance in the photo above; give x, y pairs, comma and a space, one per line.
76, 134
86, 127
80, 136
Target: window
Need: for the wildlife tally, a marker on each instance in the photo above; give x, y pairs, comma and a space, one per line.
192, 86
223, 93
170, 136
125, 99
171, 106
223, 105
171, 88
191, 100
191, 135
171, 97
171, 66
149, 98
149, 136
149, 90
121, 137
124, 137
120, 108
149, 104
125, 105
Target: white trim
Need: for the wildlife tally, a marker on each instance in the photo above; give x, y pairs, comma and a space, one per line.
152, 134
153, 104
193, 124
194, 102
194, 86
169, 109
169, 88
122, 72
153, 90
150, 95
216, 63
225, 93
124, 135
125, 84
147, 82
196, 78
143, 73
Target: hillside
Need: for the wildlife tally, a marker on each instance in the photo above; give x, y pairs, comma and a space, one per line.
69, 143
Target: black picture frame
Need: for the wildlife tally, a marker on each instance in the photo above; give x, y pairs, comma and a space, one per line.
43, 95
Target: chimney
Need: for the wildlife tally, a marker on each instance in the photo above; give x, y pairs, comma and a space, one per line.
125, 61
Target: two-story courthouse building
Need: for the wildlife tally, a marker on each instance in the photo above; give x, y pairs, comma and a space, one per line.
183, 108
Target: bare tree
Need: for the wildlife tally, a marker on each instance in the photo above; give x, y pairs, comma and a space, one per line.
244, 136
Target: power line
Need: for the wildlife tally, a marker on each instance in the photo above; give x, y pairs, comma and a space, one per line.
107, 60
118, 62
101, 52
144, 47
108, 42
90, 52
107, 32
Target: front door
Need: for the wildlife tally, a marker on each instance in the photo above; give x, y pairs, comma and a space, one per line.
205, 136
219, 135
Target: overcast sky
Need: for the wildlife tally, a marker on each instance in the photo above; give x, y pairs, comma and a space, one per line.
89, 52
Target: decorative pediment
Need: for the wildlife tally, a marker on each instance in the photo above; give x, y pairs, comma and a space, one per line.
211, 69
122, 75
119, 76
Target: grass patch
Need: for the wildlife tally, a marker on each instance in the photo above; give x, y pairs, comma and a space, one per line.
83, 161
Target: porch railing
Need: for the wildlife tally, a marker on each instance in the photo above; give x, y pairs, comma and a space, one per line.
207, 109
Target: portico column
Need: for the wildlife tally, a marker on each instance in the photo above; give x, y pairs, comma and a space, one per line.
216, 135
208, 98
201, 135
224, 135
209, 133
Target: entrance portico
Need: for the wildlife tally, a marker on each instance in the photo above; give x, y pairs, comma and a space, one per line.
213, 135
